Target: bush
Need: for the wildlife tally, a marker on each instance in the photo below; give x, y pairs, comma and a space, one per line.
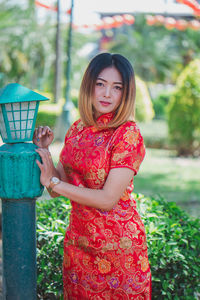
184, 111
173, 243
144, 108
173, 246
52, 220
160, 103
49, 112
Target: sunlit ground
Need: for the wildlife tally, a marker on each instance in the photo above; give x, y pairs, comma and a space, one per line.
162, 173
176, 179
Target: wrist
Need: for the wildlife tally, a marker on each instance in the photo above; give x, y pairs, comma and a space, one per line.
52, 183
47, 183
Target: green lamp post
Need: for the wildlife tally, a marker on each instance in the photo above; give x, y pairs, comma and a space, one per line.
19, 188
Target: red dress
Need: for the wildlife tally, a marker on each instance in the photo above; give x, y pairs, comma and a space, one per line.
105, 252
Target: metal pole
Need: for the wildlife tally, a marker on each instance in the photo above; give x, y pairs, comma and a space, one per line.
69, 46
65, 119
19, 249
58, 55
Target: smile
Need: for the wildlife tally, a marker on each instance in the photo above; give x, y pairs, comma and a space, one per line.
104, 103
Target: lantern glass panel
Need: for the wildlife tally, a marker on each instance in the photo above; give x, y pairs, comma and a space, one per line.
32, 105
24, 106
10, 116
29, 133
23, 134
16, 106
20, 118
29, 124
12, 125
24, 114
2, 125
17, 115
17, 125
13, 134
8, 107
31, 114
23, 125
17, 121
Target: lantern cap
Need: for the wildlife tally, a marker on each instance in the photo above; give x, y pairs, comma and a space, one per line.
14, 92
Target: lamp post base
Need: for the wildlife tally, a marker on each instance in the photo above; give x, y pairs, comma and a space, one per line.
19, 249
19, 187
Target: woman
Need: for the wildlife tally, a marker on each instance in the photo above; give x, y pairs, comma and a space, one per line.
105, 251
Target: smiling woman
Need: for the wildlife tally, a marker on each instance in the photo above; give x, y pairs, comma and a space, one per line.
105, 250
108, 92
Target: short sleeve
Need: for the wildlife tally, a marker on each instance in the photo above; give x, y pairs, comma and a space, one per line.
73, 130
128, 148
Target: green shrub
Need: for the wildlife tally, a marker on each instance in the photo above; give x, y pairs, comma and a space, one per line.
173, 243
174, 249
184, 111
52, 221
45, 118
144, 108
49, 112
160, 103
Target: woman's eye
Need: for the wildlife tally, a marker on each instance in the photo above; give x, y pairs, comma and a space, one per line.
117, 87
99, 84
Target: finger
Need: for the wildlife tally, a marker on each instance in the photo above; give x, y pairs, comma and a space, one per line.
39, 165
45, 131
48, 129
39, 130
45, 155
35, 134
50, 132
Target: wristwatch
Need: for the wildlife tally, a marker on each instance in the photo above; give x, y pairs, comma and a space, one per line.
53, 181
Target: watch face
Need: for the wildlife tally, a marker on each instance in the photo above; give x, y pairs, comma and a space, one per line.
55, 180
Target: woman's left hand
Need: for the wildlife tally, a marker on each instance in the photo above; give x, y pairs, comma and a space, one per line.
46, 167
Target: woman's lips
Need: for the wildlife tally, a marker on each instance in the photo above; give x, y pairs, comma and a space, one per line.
104, 103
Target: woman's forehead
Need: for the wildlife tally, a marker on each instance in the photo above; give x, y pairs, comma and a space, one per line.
110, 73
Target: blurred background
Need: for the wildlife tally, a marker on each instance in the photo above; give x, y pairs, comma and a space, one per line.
46, 46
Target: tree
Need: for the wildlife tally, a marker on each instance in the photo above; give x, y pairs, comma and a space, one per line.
157, 54
184, 111
24, 46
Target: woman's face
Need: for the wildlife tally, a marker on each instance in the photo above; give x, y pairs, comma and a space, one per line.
108, 91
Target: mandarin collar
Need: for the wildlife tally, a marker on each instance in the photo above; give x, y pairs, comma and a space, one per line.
105, 119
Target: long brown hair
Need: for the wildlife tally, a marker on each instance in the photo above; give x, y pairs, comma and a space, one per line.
126, 109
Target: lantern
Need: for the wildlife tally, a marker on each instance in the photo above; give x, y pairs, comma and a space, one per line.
108, 22
151, 20
170, 23
194, 24
18, 111
128, 19
99, 25
118, 21
159, 19
181, 24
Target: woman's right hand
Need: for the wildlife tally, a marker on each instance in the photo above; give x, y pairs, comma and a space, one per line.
43, 136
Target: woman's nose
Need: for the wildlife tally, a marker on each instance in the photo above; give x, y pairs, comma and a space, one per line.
107, 91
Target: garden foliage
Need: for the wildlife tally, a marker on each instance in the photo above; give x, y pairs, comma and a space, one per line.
144, 107
173, 243
49, 112
160, 104
184, 111
52, 220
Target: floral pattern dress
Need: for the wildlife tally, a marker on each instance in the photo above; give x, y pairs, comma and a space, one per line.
105, 252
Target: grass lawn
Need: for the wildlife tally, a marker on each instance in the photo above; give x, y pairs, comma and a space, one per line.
162, 173
176, 179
